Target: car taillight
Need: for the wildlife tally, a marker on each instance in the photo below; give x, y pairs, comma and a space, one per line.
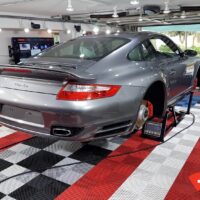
16, 70
80, 92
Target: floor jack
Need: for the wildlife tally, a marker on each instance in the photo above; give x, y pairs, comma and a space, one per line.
156, 128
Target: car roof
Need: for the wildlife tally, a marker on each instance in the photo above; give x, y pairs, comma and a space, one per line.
126, 35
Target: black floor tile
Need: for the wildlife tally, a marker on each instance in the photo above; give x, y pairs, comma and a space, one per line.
41, 161
41, 195
2, 195
39, 142
4, 164
48, 185
23, 193
40, 182
90, 154
41, 187
55, 188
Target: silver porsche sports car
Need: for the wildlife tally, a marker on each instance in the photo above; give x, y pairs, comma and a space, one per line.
96, 86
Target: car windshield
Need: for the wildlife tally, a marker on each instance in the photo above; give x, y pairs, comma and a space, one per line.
86, 48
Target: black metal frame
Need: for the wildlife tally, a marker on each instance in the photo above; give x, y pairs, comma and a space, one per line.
177, 119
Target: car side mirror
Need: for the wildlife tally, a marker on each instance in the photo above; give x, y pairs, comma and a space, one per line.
190, 52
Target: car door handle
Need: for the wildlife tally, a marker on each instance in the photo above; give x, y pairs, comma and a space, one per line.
172, 72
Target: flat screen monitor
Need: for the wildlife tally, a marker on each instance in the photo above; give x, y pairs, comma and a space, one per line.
25, 47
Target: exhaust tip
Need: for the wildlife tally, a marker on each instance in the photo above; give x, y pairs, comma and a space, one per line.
61, 132
65, 131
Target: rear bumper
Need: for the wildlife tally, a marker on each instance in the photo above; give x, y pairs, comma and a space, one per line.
91, 116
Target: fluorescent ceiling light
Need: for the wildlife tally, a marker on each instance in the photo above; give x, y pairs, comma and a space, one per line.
69, 6
115, 14
26, 30
49, 31
183, 15
166, 10
134, 2
108, 32
140, 19
96, 30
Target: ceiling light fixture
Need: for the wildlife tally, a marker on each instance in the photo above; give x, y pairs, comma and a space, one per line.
108, 32
115, 14
68, 31
69, 6
166, 10
134, 2
96, 30
140, 18
49, 31
0, 30
183, 15
26, 30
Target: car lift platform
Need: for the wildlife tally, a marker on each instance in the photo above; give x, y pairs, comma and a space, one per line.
156, 128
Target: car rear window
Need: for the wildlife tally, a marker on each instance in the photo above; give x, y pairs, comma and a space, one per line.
86, 48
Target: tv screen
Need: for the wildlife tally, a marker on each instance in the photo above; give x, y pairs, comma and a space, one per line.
24, 47
28, 47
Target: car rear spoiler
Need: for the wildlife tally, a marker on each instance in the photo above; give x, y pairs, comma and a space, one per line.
72, 73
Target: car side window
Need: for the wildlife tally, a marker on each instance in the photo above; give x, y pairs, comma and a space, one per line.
141, 53
136, 54
164, 48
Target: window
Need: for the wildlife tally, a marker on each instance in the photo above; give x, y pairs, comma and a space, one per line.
142, 52
136, 54
86, 48
164, 48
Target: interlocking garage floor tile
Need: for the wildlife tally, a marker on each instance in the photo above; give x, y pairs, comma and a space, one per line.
5, 154
10, 186
8, 198
4, 164
68, 174
39, 143
38, 154
5, 131
90, 154
1, 195
171, 156
41, 187
41, 161
63, 148
13, 170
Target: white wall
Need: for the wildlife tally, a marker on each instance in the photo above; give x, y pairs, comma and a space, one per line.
14, 28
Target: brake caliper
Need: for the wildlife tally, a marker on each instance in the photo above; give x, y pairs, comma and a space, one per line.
150, 108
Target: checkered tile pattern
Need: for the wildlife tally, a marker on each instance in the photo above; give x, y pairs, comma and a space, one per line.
151, 180
38, 155
157, 173
186, 185
5, 131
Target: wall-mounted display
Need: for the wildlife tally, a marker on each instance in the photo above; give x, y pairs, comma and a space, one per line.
25, 47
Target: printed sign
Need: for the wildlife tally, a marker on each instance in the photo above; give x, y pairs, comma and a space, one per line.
195, 180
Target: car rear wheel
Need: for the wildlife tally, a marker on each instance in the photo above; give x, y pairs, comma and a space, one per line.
145, 112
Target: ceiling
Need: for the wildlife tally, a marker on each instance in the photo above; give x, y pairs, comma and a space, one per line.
83, 9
